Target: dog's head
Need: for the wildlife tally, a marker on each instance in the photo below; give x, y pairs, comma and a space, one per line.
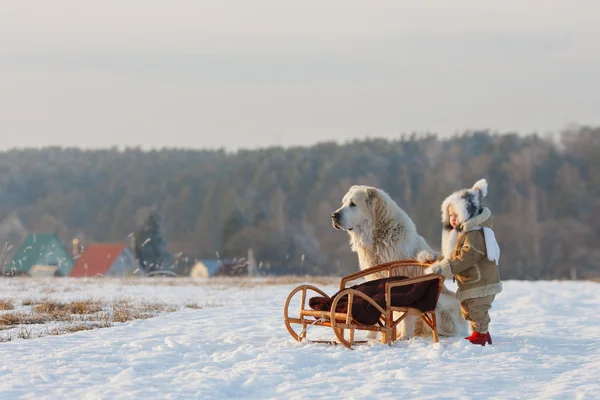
357, 210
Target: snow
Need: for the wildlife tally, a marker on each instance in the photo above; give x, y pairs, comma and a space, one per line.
545, 346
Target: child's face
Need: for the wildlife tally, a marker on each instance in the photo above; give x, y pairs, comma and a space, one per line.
453, 217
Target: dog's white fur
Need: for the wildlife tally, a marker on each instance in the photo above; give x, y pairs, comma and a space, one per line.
380, 231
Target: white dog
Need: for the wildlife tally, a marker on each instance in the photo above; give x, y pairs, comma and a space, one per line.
380, 231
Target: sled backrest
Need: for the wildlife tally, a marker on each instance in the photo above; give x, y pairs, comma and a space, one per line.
409, 268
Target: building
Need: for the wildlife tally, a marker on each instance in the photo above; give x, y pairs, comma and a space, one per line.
41, 254
205, 268
105, 260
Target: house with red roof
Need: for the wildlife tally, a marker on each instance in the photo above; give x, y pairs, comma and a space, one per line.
105, 260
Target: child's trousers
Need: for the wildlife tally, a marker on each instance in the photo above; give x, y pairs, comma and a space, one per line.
476, 312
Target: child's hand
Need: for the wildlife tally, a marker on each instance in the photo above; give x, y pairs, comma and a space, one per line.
440, 268
434, 268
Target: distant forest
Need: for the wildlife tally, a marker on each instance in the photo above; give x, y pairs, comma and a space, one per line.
544, 193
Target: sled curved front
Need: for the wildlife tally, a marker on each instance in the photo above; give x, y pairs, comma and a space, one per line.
349, 323
302, 319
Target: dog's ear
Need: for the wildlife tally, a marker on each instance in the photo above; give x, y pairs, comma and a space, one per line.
371, 194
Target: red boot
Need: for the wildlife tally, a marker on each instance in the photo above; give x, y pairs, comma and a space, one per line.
480, 338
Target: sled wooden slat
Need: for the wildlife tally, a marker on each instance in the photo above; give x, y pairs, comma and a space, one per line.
322, 314
327, 323
343, 321
393, 268
334, 343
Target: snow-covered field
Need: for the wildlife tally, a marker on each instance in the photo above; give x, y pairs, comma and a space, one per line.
546, 345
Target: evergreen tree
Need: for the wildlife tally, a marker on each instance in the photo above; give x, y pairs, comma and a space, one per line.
151, 246
235, 223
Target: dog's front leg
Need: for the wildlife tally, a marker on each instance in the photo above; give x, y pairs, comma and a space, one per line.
406, 328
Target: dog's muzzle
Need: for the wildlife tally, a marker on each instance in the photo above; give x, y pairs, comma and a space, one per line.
335, 220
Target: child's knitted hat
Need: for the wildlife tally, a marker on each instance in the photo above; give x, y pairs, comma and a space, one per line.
466, 203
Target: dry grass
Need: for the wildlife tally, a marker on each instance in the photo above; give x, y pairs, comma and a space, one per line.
6, 304
85, 307
58, 316
73, 316
126, 314
20, 318
73, 307
157, 307
196, 306
29, 301
6, 338
27, 333
122, 312
50, 307
79, 327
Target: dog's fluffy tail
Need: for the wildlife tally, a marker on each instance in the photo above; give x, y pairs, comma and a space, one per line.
449, 320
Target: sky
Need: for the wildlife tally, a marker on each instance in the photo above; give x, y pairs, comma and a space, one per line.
249, 74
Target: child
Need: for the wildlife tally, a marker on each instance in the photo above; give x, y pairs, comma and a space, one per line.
470, 255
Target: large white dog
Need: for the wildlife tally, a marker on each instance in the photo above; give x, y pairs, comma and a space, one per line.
380, 231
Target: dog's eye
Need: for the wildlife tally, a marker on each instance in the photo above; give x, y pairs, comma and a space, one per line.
352, 204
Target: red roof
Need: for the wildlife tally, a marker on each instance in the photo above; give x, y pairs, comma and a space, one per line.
98, 258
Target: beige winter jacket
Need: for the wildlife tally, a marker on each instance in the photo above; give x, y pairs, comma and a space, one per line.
475, 275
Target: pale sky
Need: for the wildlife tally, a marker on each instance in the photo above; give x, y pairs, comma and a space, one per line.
256, 73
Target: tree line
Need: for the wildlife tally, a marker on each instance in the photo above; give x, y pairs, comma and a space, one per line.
543, 191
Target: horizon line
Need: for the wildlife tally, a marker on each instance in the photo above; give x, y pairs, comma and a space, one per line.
552, 136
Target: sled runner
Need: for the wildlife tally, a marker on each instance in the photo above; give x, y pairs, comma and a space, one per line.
369, 306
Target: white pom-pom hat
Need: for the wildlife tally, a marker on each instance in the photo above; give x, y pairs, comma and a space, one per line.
466, 203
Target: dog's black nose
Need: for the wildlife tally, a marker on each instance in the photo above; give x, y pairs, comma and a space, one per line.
335, 216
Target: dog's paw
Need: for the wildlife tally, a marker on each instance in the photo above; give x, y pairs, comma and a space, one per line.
426, 256
371, 335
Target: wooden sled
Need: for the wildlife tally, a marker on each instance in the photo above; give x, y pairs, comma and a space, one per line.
341, 322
